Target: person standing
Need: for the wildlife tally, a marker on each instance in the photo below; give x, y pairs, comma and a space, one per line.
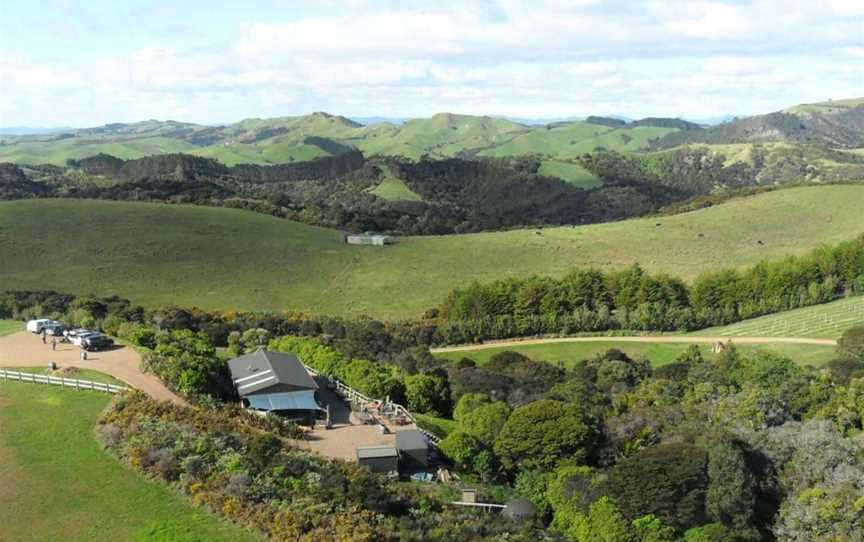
44, 341
53, 343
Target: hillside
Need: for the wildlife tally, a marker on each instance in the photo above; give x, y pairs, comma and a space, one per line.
833, 124
223, 258
290, 139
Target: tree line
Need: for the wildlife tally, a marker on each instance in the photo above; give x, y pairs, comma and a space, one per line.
632, 299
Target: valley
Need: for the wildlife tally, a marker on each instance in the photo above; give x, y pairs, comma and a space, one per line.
223, 258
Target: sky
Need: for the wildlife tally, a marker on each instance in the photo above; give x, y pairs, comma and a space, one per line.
67, 63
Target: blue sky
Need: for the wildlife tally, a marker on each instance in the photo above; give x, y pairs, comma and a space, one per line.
87, 63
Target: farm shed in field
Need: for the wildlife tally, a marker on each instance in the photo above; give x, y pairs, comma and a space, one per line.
366, 239
413, 448
277, 383
379, 458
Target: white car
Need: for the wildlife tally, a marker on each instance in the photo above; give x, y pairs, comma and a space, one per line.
35, 326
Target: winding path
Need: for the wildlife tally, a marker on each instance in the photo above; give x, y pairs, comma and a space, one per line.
689, 339
25, 349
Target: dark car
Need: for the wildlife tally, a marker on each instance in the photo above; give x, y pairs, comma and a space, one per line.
97, 342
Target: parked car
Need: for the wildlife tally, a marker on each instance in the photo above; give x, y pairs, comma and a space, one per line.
80, 336
35, 326
54, 330
70, 334
96, 342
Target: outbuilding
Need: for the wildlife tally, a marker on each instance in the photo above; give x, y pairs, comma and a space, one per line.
278, 383
382, 458
413, 448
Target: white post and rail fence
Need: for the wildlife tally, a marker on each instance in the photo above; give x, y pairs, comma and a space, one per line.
390, 409
60, 381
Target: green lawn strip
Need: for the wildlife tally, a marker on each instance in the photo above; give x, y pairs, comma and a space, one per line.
79, 374
568, 354
58, 484
10, 326
440, 427
826, 321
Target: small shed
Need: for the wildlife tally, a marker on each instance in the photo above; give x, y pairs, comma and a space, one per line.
413, 448
379, 458
367, 238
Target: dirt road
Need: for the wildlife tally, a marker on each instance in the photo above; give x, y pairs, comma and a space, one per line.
642, 339
25, 349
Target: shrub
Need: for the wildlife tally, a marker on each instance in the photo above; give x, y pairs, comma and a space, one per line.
541, 434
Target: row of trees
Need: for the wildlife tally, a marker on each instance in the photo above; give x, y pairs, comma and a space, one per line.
590, 301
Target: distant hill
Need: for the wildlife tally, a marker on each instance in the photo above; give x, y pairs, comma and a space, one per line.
834, 124
283, 140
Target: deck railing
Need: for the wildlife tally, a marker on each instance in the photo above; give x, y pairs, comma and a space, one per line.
393, 409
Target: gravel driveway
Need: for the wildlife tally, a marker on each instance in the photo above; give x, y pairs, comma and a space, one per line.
25, 349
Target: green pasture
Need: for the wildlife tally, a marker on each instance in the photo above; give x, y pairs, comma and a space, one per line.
567, 354
56, 482
213, 258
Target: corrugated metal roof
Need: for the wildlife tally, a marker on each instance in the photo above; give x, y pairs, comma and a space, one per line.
261, 370
370, 452
291, 400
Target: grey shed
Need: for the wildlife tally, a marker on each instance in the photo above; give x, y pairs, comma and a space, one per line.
520, 510
413, 448
378, 458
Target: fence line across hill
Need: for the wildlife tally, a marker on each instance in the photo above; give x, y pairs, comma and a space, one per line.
60, 381
397, 409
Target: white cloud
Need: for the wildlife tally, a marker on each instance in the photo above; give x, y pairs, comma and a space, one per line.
545, 58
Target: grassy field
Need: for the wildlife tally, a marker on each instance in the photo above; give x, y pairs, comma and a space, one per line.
571, 172
568, 354
232, 259
10, 326
57, 483
826, 321
57, 152
393, 188
80, 374
440, 427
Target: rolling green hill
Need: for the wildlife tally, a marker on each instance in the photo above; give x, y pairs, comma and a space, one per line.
222, 258
287, 139
573, 139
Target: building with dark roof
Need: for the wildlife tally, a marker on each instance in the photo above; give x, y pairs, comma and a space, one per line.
413, 448
277, 383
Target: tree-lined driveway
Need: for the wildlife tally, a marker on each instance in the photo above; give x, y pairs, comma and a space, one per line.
25, 349
688, 339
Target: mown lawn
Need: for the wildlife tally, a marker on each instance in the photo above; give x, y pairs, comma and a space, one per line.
568, 354
440, 427
56, 483
232, 259
826, 321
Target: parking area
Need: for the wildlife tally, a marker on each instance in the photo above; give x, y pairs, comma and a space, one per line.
25, 349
